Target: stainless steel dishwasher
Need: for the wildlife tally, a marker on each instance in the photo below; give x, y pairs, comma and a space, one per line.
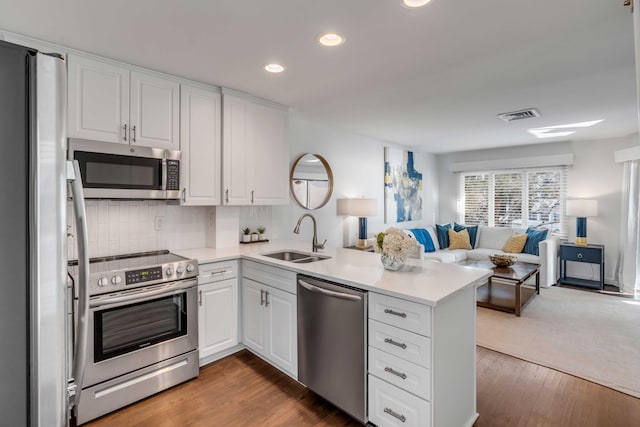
332, 347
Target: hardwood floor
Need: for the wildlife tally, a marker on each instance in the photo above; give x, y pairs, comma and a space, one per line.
243, 390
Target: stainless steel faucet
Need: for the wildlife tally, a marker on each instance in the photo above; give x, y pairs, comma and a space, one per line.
316, 245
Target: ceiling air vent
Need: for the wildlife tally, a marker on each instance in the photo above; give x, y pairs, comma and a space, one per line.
529, 113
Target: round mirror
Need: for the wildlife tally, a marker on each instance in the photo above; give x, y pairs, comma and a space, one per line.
311, 181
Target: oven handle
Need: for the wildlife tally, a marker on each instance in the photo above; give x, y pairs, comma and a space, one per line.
141, 295
80, 346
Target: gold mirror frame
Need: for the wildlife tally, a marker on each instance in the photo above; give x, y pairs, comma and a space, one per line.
327, 169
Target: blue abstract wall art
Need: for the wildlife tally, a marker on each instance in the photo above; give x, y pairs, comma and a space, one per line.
402, 187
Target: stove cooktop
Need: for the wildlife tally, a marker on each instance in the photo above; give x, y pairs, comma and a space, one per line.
120, 272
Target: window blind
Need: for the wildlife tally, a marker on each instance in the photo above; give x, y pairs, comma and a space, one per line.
532, 197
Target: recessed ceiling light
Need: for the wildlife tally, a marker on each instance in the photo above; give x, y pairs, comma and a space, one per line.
552, 131
274, 68
331, 39
415, 3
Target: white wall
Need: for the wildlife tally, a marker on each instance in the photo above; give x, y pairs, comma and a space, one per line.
593, 175
357, 163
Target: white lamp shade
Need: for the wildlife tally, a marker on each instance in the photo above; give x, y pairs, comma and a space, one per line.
582, 208
361, 208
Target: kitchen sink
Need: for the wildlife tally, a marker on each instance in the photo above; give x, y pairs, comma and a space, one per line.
296, 256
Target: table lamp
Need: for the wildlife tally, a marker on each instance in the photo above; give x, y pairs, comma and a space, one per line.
581, 209
362, 208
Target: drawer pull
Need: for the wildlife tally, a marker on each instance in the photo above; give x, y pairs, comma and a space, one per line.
396, 373
395, 313
217, 272
395, 414
396, 343
579, 255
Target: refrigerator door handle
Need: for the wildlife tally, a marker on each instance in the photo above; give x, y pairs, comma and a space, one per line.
82, 239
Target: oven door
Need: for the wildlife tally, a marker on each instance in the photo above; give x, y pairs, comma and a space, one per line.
134, 329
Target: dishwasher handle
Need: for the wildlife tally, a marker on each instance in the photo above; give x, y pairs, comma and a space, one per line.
319, 290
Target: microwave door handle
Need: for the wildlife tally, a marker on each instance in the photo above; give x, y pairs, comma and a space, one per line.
80, 345
164, 174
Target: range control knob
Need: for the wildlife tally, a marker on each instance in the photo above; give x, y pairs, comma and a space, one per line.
169, 271
103, 281
116, 280
189, 268
180, 269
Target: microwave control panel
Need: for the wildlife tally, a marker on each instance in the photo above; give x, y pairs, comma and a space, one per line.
173, 175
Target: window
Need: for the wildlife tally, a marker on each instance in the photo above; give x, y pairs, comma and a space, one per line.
514, 198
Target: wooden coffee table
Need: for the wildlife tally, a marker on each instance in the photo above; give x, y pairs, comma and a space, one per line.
505, 289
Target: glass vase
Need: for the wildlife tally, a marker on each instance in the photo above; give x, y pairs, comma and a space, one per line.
392, 262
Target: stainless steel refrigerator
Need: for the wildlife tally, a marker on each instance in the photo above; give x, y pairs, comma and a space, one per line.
34, 336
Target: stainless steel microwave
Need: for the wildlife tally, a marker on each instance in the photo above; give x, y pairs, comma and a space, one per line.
121, 171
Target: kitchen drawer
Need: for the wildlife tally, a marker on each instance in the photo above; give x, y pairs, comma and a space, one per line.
398, 312
406, 375
572, 253
404, 344
277, 277
391, 407
217, 271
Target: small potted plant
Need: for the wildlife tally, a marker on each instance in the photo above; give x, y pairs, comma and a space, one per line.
254, 236
261, 235
246, 235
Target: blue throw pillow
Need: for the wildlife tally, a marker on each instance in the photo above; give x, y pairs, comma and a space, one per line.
443, 235
534, 237
424, 238
472, 230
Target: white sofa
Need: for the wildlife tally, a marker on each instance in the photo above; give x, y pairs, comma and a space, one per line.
489, 241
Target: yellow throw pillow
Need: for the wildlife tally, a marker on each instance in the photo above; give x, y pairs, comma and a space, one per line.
515, 243
460, 239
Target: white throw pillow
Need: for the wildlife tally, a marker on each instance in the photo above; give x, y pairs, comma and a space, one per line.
494, 237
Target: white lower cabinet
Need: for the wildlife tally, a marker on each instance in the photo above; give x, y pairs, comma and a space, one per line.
269, 315
217, 307
390, 406
422, 361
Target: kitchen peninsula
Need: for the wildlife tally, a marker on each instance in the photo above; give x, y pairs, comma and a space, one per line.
421, 325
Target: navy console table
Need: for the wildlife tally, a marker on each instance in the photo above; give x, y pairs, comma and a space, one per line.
592, 254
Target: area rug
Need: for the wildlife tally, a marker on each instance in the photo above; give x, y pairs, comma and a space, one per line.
590, 335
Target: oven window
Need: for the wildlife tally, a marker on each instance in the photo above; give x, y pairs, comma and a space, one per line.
128, 328
115, 171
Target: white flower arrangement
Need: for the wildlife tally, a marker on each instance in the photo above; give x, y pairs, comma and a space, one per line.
395, 242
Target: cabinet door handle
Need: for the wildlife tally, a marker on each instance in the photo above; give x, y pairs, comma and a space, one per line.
226, 195
125, 132
252, 191
261, 296
579, 256
395, 414
184, 197
266, 298
396, 373
396, 343
133, 130
395, 313
200, 298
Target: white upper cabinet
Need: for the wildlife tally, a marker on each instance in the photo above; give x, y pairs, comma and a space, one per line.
111, 103
236, 133
270, 156
255, 152
200, 142
98, 100
155, 114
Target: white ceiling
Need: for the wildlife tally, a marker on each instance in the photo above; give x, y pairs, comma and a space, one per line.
434, 77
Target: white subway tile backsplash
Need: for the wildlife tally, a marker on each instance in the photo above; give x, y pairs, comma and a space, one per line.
118, 227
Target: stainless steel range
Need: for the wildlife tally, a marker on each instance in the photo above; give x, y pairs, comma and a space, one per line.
143, 329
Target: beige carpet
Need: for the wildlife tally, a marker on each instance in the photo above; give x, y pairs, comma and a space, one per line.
589, 335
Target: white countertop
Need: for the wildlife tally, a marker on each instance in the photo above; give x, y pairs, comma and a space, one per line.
423, 281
